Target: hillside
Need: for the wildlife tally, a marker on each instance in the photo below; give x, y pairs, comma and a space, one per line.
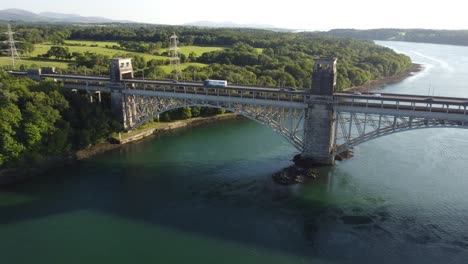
51, 17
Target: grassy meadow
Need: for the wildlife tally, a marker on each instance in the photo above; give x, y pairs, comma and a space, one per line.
99, 47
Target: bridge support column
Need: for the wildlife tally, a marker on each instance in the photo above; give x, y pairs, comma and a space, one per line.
319, 122
319, 135
117, 103
99, 96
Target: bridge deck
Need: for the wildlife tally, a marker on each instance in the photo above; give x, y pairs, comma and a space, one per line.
342, 100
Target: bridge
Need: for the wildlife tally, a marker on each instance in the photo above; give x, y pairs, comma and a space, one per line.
318, 122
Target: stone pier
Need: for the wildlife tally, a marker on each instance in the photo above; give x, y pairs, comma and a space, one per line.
319, 122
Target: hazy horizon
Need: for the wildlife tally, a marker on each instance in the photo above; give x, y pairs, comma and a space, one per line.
296, 14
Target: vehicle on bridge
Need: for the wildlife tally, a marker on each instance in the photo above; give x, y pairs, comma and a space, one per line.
215, 83
288, 89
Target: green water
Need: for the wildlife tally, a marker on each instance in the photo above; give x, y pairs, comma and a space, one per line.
205, 195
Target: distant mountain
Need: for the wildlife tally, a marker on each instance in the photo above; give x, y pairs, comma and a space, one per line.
18, 14
26, 16
228, 24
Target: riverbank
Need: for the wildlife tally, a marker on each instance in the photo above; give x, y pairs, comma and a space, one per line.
375, 84
157, 129
12, 176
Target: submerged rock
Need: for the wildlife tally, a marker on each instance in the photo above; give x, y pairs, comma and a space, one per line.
294, 174
345, 155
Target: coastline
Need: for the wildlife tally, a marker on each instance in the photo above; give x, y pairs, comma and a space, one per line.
12, 176
372, 85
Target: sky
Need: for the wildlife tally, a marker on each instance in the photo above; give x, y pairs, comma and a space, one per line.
293, 14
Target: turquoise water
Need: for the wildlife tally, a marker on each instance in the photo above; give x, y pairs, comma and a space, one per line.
205, 195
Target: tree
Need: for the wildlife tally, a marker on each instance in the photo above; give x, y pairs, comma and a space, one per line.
26, 47
10, 118
10, 149
192, 56
186, 113
195, 111
58, 52
165, 117
31, 134
155, 72
266, 81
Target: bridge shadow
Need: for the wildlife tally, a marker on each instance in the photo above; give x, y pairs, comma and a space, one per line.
248, 211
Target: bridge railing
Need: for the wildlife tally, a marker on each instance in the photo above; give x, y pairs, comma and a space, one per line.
261, 94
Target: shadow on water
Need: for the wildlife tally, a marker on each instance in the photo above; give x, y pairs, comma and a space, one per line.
213, 207
232, 198
253, 211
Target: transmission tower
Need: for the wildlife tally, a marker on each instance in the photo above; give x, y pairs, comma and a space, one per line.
12, 51
174, 53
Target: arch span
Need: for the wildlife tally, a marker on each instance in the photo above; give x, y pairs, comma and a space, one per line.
355, 130
287, 122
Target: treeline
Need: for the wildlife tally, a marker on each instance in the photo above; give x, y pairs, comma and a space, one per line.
451, 37
187, 35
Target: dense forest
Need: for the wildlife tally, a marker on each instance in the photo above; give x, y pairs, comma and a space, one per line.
452, 37
40, 119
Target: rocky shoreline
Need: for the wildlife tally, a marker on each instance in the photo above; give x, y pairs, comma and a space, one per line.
12, 176
294, 174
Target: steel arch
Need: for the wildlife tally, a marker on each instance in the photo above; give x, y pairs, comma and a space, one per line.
287, 122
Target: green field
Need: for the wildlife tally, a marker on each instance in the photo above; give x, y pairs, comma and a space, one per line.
43, 48
31, 61
40, 49
195, 49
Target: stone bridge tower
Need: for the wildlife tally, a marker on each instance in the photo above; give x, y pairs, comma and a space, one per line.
120, 69
319, 123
